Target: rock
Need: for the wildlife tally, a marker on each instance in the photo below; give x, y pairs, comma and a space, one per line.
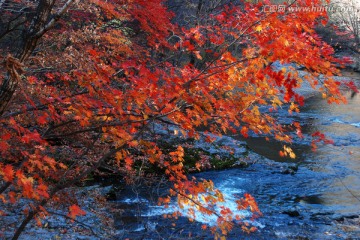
290, 170
292, 213
343, 218
355, 65
241, 164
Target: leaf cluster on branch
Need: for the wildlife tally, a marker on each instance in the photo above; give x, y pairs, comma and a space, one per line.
83, 84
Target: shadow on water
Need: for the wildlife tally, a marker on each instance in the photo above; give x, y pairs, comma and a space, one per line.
270, 149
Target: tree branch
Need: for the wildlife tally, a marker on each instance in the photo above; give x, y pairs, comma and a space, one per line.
55, 18
77, 221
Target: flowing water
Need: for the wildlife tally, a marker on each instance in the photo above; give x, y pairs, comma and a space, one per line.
316, 196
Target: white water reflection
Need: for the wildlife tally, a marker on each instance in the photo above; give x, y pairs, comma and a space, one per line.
229, 186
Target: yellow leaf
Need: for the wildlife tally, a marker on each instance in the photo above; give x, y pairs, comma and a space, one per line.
119, 156
258, 28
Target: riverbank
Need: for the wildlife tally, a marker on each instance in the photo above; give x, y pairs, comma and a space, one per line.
98, 223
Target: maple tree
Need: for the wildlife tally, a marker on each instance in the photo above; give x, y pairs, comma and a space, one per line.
84, 84
343, 29
348, 21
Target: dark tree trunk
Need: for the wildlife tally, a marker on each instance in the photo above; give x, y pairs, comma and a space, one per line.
30, 39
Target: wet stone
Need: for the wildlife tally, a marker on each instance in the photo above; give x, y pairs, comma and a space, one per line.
292, 213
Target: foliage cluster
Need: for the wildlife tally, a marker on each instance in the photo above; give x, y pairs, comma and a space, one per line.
84, 83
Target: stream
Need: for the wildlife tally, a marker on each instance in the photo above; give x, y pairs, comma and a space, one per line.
315, 196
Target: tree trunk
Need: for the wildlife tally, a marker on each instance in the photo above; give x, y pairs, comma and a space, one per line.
30, 39
7, 90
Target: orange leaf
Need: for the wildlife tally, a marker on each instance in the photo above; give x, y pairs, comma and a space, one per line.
244, 132
75, 210
8, 173
12, 196
197, 54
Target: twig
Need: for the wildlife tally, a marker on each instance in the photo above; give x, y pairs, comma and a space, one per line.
77, 221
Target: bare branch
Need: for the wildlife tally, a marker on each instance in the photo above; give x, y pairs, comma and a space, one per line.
55, 18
